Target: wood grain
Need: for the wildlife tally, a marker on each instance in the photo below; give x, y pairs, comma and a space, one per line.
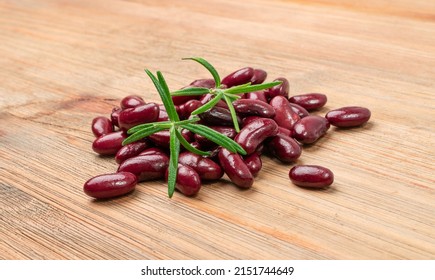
64, 62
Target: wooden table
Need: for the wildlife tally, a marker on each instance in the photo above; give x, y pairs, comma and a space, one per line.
64, 62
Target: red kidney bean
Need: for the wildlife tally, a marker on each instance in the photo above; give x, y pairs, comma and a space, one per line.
163, 115
254, 163
284, 148
206, 83
278, 90
110, 143
207, 97
309, 129
284, 131
239, 77
185, 109
146, 167
101, 126
249, 119
301, 111
256, 95
259, 76
141, 114
255, 132
131, 101
309, 101
206, 168
153, 151
284, 115
253, 107
235, 168
218, 116
224, 130
188, 181
348, 116
130, 150
115, 116
110, 185
311, 176
161, 138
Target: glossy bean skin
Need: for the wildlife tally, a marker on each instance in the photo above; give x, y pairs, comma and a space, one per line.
206, 168
101, 126
110, 143
146, 167
311, 176
309, 129
206, 83
254, 163
188, 181
349, 116
249, 119
278, 90
253, 107
238, 77
284, 115
130, 150
301, 111
309, 101
132, 101
259, 76
184, 110
284, 148
138, 115
235, 168
256, 95
224, 130
153, 151
161, 138
218, 116
163, 115
255, 132
110, 185
114, 116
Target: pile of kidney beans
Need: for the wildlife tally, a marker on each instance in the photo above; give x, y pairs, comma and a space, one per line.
271, 122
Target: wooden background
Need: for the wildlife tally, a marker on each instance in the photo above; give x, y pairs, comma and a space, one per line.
64, 62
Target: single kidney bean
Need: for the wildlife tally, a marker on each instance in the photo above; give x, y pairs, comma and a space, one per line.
278, 90
311, 176
130, 150
163, 115
101, 126
188, 181
284, 148
184, 110
131, 101
256, 95
348, 116
235, 168
206, 168
259, 76
206, 83
284, 115
253, 107
255, 132
254, 163
114, 116
161, 138
146, 167
301, 111
218, 116
153, 151
249, 119
239, 77
110, 143
224, 130
309, 101
284, 131
141, 114
110, 185
309, 129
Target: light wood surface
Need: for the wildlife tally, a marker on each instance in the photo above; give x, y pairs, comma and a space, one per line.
64, 62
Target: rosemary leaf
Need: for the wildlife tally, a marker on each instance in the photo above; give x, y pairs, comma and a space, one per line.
251, 88
209, 67
191, 91
188, 146
174, 147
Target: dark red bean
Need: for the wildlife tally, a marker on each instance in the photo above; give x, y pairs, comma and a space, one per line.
239, 77
218, 116
101, 126
259, 76
253, 107
249, 119
109, 144
309, 129
153, 151
110, 185
206, 83
114, 117
284, 115
254, 163
309, 101
235, 168
141, 114
284, 131
311, 176
130, 150
255, 132
224, 130
161, 138
146, 167
348, 116
163, 115
301, 111
284, 148
188, 181
131, 101
207, 97
185, 109
278, 90
256, 95
206, 168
